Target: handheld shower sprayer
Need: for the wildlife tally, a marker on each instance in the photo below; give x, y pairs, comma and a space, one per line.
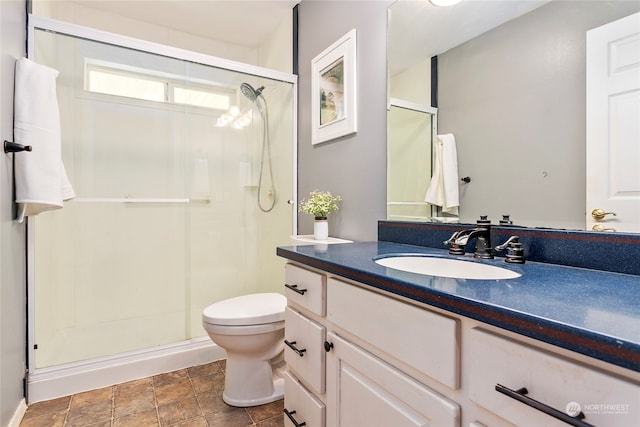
253, 95
250, 92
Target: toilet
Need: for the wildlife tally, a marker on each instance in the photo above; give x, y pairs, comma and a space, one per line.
251, 330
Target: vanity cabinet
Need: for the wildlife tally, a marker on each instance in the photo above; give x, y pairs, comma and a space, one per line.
365, 357
334, 382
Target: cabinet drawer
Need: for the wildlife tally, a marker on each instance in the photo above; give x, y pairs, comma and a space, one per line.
301, 405
304, 349
306, 288
605, 400
419, 338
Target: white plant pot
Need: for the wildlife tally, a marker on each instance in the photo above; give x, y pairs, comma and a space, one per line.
321, 229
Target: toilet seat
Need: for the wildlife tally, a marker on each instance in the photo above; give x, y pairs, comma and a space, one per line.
262, 328
254, 309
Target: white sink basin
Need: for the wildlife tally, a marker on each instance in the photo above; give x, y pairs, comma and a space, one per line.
446, 267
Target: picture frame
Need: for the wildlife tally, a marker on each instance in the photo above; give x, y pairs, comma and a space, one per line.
334, 90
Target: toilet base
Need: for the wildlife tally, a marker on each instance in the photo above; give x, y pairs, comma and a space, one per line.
249, 382
278, 393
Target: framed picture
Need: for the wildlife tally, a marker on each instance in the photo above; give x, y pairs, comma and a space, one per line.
333, 85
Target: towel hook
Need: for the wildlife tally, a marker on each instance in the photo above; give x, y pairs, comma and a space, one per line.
13, 147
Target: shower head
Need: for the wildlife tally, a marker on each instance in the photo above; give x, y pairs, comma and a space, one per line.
250, 92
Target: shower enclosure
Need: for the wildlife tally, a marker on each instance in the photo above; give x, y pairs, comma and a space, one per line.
168, 160
411, 129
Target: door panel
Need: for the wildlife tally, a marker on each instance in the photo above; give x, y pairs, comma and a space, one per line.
613, 128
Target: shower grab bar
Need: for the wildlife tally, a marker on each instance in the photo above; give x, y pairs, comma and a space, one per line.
410, 217
408, 203
137, 200
127, 200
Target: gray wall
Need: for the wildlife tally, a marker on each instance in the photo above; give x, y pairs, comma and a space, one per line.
354, 166
12, 234
515, 100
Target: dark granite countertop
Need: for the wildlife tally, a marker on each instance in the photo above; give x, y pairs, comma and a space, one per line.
595, 313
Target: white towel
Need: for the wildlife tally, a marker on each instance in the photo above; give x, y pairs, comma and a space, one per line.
443, 189
41, 180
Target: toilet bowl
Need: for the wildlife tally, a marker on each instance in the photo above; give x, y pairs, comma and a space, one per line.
251, 330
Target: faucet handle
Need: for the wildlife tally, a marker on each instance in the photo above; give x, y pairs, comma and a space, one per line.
506, 220
510, 240
515, 251
454, 248
483, 221
451, 239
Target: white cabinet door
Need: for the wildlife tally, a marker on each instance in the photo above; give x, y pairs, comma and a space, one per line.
362, 390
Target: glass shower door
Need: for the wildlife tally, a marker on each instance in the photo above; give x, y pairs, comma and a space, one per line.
165, 220
410, 134
110, 267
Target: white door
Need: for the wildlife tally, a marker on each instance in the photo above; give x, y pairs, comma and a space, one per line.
613, 125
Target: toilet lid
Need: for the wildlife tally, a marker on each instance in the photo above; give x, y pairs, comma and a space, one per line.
251, 309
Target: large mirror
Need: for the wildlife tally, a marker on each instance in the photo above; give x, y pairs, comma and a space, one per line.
511, 86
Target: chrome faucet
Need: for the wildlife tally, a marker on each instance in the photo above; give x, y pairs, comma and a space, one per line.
482, 234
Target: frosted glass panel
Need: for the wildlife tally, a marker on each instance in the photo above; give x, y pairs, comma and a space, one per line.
166, 219
106, 274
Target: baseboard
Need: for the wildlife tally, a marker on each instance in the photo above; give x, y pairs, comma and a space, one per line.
65, 380
18, 415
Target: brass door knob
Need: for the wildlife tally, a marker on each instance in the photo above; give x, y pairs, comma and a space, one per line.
600, 227
599, 214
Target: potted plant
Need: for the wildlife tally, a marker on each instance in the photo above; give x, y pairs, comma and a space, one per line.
320, 204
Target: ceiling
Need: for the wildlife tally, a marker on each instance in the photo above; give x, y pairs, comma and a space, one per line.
243, 22
249, 22
415, 24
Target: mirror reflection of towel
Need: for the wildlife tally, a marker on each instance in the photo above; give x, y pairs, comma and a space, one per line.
443, 189
41, 180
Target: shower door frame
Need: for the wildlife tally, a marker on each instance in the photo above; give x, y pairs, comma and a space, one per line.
104, 363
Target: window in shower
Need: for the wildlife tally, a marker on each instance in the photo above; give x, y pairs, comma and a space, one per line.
111, 81
166, 219
121, 80
205, 98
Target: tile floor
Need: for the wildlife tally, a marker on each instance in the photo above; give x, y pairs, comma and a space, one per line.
185, 398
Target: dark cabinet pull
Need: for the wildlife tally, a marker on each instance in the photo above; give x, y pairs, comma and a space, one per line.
292, 346
328, 346
520, 396
295, 289
293, 420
